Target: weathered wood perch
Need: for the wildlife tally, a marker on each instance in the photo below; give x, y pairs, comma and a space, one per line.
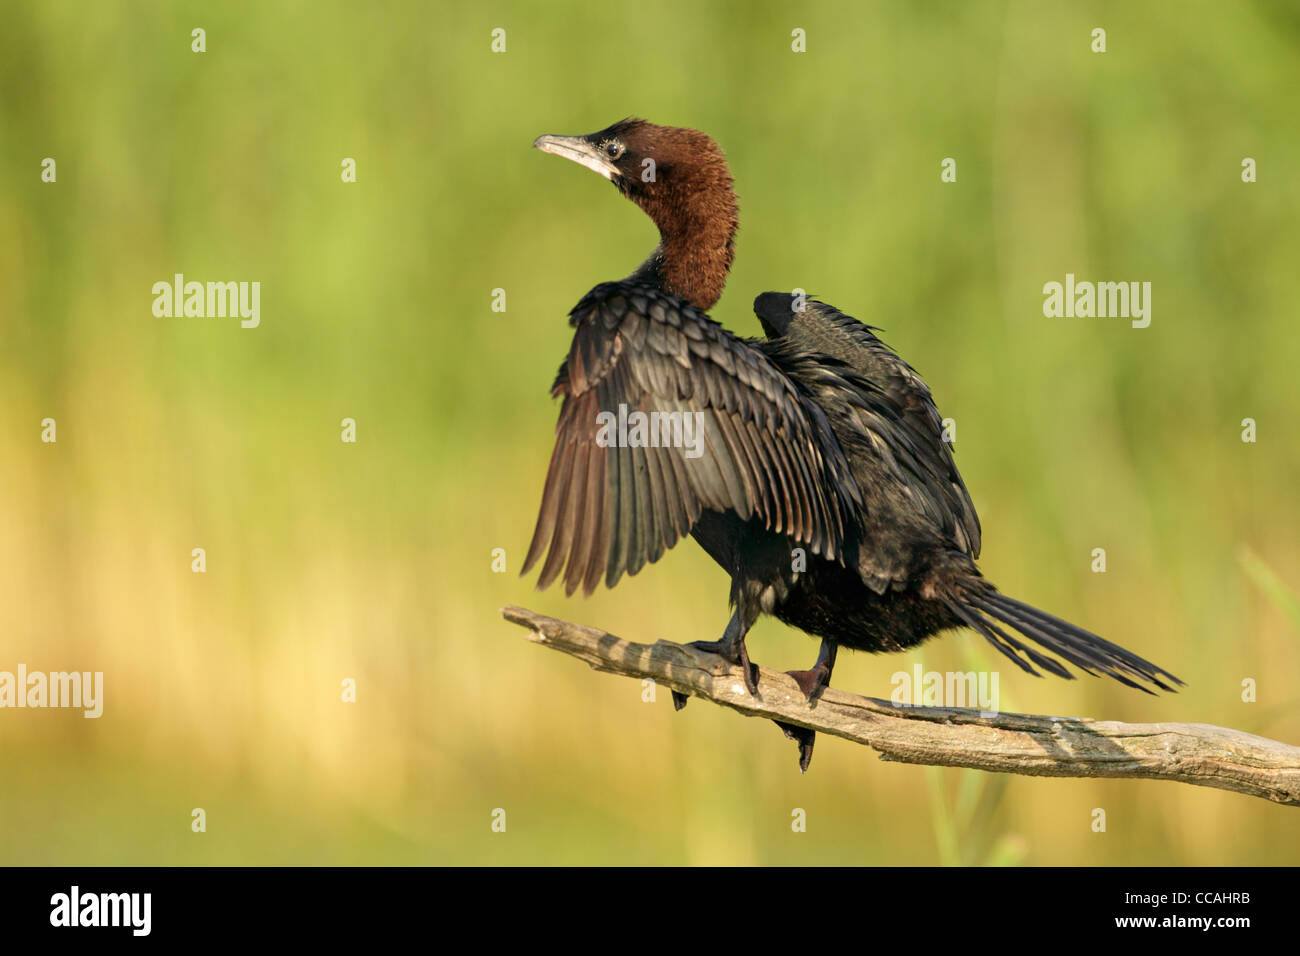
949, 737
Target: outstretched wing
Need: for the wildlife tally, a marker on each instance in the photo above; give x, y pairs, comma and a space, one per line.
722, 430
903, 415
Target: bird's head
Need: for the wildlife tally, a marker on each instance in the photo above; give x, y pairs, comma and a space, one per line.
680, 179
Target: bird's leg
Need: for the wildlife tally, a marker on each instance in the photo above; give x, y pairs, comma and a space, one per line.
812, 682
730, 648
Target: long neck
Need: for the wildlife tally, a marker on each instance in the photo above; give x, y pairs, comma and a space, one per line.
696, 248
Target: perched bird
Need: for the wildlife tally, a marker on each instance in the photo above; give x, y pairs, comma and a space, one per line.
810, 464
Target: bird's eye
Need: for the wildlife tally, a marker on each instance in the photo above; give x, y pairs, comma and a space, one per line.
613, 149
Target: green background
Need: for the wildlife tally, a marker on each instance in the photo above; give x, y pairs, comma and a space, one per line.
372, 560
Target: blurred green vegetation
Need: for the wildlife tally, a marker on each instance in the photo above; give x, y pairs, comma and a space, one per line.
372, 561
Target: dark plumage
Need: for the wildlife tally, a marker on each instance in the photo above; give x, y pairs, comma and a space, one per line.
768, 453
821, 481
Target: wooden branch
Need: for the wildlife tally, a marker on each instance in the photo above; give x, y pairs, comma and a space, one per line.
949, 737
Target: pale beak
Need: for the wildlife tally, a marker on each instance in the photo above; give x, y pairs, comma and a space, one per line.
580, 151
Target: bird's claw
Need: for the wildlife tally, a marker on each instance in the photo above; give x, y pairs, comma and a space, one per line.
802, 736
733, 652
812, 682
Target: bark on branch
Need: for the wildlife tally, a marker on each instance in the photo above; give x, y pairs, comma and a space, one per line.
949, 737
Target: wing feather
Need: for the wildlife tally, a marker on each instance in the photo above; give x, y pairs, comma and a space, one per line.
760, 449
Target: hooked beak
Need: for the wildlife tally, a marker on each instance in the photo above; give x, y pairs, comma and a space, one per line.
580, 151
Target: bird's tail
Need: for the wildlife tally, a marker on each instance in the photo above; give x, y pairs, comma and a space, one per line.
986, 611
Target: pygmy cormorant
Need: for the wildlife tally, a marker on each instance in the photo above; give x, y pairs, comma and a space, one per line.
816, 441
